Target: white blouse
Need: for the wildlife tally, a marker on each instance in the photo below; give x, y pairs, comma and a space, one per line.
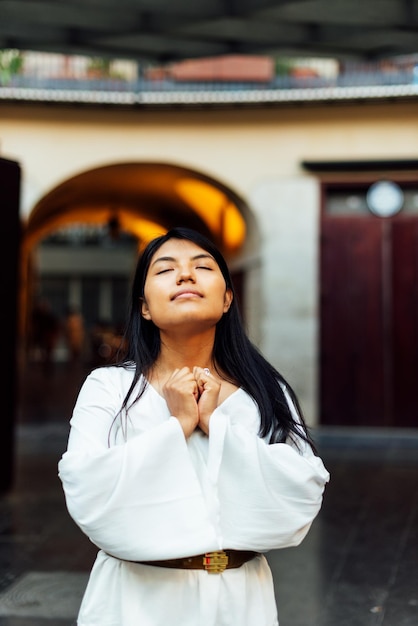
140, 491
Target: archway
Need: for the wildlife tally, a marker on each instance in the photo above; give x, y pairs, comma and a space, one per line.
147, 199
141, 199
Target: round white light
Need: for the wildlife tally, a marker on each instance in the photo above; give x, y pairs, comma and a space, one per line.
385, 198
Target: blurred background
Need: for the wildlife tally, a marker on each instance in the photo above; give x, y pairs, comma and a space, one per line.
285, 131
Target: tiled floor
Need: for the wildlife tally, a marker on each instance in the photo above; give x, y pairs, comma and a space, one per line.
358, 565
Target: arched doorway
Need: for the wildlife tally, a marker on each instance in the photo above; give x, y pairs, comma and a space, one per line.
129, 203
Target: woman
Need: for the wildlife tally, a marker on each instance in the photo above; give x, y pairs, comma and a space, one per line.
189, 459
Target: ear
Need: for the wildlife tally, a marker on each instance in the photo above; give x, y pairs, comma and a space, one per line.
145, 312
228, 300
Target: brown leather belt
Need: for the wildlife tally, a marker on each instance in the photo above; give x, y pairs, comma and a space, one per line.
212, 562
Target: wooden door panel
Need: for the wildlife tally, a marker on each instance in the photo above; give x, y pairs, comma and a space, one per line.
405, 321
351, 323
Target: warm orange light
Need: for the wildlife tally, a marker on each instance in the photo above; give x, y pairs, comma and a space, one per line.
143, 229
234, 228
216, 209
130, 222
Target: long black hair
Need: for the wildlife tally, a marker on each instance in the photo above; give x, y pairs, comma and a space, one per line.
233, 353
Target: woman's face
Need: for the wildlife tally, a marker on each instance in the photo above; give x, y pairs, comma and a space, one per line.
184, 288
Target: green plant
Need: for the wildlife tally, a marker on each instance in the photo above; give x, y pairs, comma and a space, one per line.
11, 64
99, 67
282, 67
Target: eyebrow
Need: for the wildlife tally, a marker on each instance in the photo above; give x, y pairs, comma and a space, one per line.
173, 259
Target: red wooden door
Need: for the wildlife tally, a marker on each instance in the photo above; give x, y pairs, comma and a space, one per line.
404, 237
369, 321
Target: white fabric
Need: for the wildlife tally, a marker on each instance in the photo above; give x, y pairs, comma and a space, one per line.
145, 493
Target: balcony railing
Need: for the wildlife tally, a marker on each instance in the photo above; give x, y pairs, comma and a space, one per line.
55, 78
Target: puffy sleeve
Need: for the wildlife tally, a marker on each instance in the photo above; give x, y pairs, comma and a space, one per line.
141, 499
153, 495
269, 493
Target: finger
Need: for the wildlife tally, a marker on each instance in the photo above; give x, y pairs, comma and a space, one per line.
201, 373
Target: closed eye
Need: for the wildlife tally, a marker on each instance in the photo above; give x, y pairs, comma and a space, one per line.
203, 267
168, 269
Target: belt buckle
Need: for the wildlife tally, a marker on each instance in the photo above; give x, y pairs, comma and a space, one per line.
215, 562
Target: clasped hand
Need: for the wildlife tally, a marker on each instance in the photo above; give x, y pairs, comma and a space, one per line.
192, 396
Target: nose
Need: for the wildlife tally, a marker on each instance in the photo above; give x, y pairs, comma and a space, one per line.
185, 274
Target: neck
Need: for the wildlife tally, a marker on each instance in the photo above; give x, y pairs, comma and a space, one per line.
185, 351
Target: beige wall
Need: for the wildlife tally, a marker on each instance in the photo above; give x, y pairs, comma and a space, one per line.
257, 153
240, 148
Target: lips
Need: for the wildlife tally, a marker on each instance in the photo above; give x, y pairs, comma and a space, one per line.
187, 293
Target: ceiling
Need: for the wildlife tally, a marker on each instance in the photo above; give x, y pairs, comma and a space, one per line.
167, 30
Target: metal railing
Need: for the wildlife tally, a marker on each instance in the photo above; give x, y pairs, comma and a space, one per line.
58, 78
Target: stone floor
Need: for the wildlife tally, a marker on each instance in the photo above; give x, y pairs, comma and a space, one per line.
358, 566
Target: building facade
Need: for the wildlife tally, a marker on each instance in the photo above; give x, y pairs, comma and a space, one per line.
282, 170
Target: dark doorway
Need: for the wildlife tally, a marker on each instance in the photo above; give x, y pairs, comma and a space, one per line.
10, 175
